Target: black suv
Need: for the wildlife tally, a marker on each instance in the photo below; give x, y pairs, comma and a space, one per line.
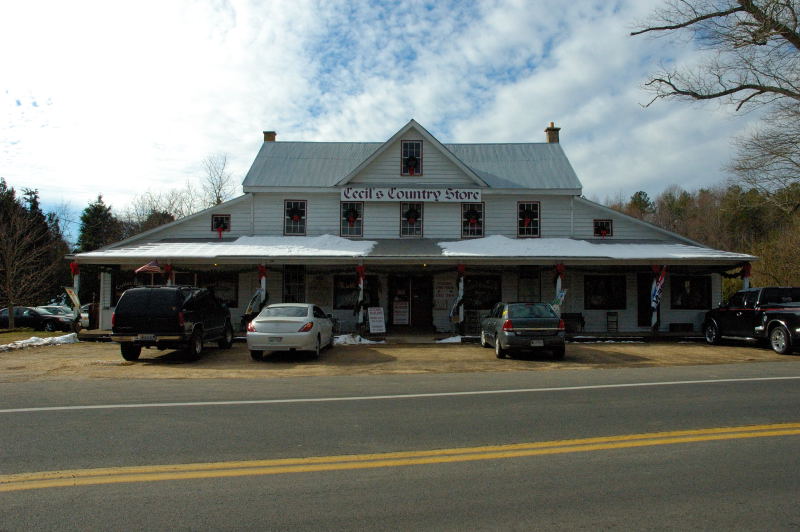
169, 317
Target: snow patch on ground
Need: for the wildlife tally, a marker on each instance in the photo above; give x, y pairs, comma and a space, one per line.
71, 338
451, 340
353, 339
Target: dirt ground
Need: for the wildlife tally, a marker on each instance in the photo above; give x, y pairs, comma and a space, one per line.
95, 360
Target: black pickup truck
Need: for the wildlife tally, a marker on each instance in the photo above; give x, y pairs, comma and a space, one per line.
176, 317
768, 314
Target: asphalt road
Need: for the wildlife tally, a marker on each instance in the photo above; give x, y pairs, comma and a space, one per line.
568, 450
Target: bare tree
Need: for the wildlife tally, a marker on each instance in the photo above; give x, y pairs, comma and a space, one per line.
218, 184
753, 47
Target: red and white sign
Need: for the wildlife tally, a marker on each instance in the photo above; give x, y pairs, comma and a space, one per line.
434, 195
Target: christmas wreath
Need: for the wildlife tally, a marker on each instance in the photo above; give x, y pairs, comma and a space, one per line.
294, 214
412, 164
221, 222
472, 217
411, 215
351, 215
527, 216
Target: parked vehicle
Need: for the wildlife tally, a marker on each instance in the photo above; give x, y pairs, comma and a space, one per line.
513, 327
85, 315
169, 317
38, 319
770, 314
289, 327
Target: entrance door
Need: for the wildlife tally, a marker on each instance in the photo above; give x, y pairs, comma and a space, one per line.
421, 308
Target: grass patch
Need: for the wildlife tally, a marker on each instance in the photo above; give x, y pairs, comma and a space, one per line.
12, 335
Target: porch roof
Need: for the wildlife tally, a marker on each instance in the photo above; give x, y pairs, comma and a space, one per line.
495, 249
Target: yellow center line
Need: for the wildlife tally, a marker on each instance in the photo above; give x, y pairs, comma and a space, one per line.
112, 475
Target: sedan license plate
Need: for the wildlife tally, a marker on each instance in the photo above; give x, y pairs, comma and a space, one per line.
146, 337
275, 339
537, 343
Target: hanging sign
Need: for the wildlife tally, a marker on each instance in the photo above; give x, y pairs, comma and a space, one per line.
376, 322
434, 195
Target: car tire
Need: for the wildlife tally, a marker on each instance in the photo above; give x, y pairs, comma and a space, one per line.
50, 326
227, 337
499, 352
130, 351
318, 347
484, 343
559, 352
256, 355
195, 347
780, 340
711, 333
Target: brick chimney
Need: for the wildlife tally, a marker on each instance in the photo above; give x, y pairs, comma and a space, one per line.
269, 136
551, 133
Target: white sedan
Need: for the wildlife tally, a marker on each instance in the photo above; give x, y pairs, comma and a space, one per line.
289, 327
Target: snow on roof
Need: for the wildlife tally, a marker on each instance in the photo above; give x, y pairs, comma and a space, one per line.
501, 246
244, 246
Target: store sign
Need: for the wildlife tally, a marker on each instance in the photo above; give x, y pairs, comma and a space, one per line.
377, 324
436, 195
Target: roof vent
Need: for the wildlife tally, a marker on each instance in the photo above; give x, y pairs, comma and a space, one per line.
551, 133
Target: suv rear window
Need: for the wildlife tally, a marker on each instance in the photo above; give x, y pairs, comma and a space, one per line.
155, 301
780, 295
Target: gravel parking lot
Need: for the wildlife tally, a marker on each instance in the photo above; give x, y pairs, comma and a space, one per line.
94, 360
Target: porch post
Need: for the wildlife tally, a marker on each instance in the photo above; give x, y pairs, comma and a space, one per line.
655, 294
746, 270
262, 277
359, 310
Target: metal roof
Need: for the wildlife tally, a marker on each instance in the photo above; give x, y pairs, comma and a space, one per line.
323, 164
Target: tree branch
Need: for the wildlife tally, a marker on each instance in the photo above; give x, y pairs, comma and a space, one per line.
691, 21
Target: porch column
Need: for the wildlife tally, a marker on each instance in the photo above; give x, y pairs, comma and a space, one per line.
746, 270
359, 309
655, 293
262, 277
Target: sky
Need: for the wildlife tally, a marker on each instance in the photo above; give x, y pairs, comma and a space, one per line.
118, 98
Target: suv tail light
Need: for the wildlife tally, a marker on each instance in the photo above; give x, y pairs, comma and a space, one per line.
181, 319
508, 326
113, 318
561, 325
307, 327
251, 327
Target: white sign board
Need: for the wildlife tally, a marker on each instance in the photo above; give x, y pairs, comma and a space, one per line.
376, 321
400, 313
435, 195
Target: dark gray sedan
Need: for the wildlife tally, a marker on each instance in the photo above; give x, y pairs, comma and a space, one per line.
523, 327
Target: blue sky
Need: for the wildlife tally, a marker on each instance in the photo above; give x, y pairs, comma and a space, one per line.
118, 98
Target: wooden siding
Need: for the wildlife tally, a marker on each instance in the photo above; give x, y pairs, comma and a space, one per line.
623, 227
436, 167
200, 227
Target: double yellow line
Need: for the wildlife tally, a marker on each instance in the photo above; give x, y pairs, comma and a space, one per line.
113, 475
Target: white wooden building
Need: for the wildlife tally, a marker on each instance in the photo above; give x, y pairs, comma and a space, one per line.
413, 212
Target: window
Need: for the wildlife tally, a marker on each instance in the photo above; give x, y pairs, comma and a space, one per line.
528, 219
411, 219
604, 292
690, 292
345, 291
411, 157
603, 228
471, 220
351, 218
294, 216
294, 284
220, 222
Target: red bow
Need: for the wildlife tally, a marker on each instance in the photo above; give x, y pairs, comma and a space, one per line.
74, 268
746, 270
360, 272
262, 271
167, 269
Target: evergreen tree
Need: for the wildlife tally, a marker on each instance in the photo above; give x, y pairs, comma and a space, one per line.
99, 226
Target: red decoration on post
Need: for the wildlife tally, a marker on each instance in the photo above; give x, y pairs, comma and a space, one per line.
167, 269
655, 268
360, 272
747, 268
560, 269
262, 271
74, 268
461, 269
219, 232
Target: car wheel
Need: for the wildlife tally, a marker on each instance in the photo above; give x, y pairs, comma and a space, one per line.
258, 356
49, 326
780, 341
227, 340
559, 352
195, 347
712, 333
318, 347
484, 343
499, 352
130, 351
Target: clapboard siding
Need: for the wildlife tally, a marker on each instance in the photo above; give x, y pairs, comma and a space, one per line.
200, 226
623, 227
436, 167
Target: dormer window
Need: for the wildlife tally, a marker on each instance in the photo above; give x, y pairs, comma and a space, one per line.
603, 228
220, 222
411, 157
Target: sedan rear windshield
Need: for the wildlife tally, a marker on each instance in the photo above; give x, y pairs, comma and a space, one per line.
284, 312
530, 310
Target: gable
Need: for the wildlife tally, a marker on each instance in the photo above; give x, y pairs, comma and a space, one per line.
437, 168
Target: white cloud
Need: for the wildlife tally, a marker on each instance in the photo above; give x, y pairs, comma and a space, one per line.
103, 97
